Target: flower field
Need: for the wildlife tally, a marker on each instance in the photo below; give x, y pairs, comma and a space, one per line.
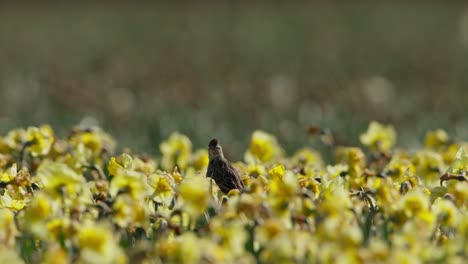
77, 200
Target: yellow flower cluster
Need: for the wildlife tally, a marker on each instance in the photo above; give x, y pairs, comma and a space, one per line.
75, 200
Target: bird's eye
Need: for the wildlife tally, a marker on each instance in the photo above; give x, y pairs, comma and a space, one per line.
218, 147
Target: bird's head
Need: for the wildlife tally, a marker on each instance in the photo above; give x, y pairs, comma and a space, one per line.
214, 149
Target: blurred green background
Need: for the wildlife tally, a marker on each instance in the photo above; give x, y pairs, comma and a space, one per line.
223, 70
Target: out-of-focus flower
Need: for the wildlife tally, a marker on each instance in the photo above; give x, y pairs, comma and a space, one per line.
183, 249
356, 161
428, 164
187, 248
55, 255
386, 194
230, 235
277, 172
335, 202
256, 170
397, 168
8, 230
282, 190
449, 155
98, 245
144, 165
436, 139
40, 140
404, 257
306, 156
41, 210
270, 229
10, 256
199, 160
129, 212
60, 228
195, 193
263, 147
379, 137
354, 158
446, 212
460, 163
131, 182
176, 150
292, 210
414, 203
460, 193
59, 180
15, 139
94, 139
78, 158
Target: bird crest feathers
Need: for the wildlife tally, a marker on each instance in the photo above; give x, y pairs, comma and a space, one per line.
213, 143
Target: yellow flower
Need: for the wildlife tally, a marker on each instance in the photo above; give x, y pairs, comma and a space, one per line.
397, 168
41, 140
8, 230
15, 139
185, 249
446, 212
10, 256
93, 139
460, 162
270, 229
414, 202
428, 165
277, 172
404, 257
199, 160
98, 245
129, 212
59, 227
436, 139
39, 209
144, 165
353, 157
132, 182
38, 213
282, 190
55, 255
162, 184
463, 226
379, 137
194, 191
58, 179
460, 193
9, 175
6, 201
263, 147
123, 161
176, 150
77, 158
256, 170
229, 234
309, 183
335, 202
450, 153
356, 161
306, 156
387, 195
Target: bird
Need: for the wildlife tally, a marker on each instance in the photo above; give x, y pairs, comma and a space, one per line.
221, 171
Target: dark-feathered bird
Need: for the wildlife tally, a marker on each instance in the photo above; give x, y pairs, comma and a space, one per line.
221, 171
